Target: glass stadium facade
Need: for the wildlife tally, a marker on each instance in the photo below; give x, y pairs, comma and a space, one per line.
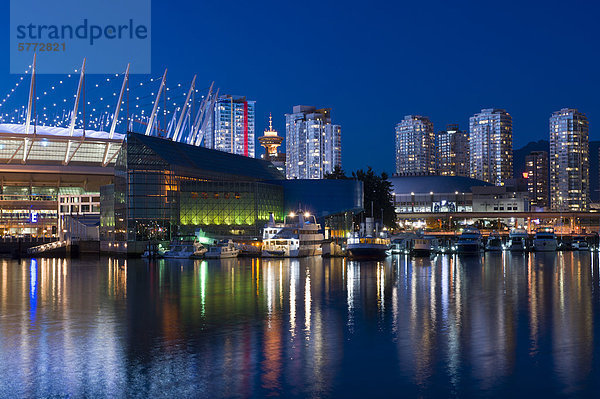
163, 188
46, 174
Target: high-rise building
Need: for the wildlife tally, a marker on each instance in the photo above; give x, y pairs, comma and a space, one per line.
452, 149
536, 174
271, 142
490, 146
569, 160
313, 143
231, 128
415, 146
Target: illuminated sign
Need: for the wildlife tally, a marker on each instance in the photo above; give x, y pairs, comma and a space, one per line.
33, 217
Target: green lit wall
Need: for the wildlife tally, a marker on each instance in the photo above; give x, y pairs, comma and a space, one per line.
229, 204
163, 189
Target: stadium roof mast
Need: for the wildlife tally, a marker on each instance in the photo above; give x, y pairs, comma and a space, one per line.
184, 110
201, 121
80, 87
153, 114
26, 144
115, 119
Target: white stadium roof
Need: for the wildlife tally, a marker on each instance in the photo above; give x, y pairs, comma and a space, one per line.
53, 145
56, 131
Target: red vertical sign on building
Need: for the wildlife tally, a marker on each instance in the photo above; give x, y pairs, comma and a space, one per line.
246, 128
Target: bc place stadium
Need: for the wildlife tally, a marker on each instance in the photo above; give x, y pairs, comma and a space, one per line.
125, 160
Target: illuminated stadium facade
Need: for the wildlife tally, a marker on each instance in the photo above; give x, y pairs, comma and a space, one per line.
56, 175
38, 169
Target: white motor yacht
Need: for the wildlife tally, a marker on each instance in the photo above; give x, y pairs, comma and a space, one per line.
222, 250
545, 240
299, 235
469, 241
184, 247
518, 240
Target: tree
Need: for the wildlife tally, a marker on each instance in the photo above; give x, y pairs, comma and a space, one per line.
337, 173
377, 191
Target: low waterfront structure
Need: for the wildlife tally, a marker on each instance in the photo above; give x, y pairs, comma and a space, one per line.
164, 188
443, 203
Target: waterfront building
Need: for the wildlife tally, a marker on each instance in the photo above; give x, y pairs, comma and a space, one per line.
569, 160
163, 188
51, 175
490, 146
313, 143
271, 142
415, 146
231, 127
434, 194
500, 199
536, 173
452, 152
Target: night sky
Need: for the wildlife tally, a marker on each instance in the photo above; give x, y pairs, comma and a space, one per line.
374, 62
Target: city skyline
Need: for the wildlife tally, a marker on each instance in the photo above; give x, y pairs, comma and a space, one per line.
529, 84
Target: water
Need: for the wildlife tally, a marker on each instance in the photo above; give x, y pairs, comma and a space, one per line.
493, 325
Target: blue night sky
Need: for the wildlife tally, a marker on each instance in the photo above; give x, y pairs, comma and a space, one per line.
374, 62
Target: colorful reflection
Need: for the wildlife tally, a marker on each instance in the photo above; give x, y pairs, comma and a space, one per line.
317, 327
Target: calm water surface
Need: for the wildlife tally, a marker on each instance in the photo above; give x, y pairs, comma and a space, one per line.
491, 326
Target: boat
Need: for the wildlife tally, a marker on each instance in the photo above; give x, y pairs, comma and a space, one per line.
154, 251
580, 244
185, 247
469, 241
545, 240
425, 245
494, 242
368, 244
251, 249
331, 248
401, 244
299, 235
518, 240
222, 250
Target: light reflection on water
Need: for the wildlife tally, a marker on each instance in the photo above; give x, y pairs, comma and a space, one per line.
496, 324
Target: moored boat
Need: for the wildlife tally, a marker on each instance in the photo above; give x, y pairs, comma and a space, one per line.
299, 235
545, 240
518, 240
367, 244
580, 244
425, 245
224, 249
185, 247
494, 243
469, 241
